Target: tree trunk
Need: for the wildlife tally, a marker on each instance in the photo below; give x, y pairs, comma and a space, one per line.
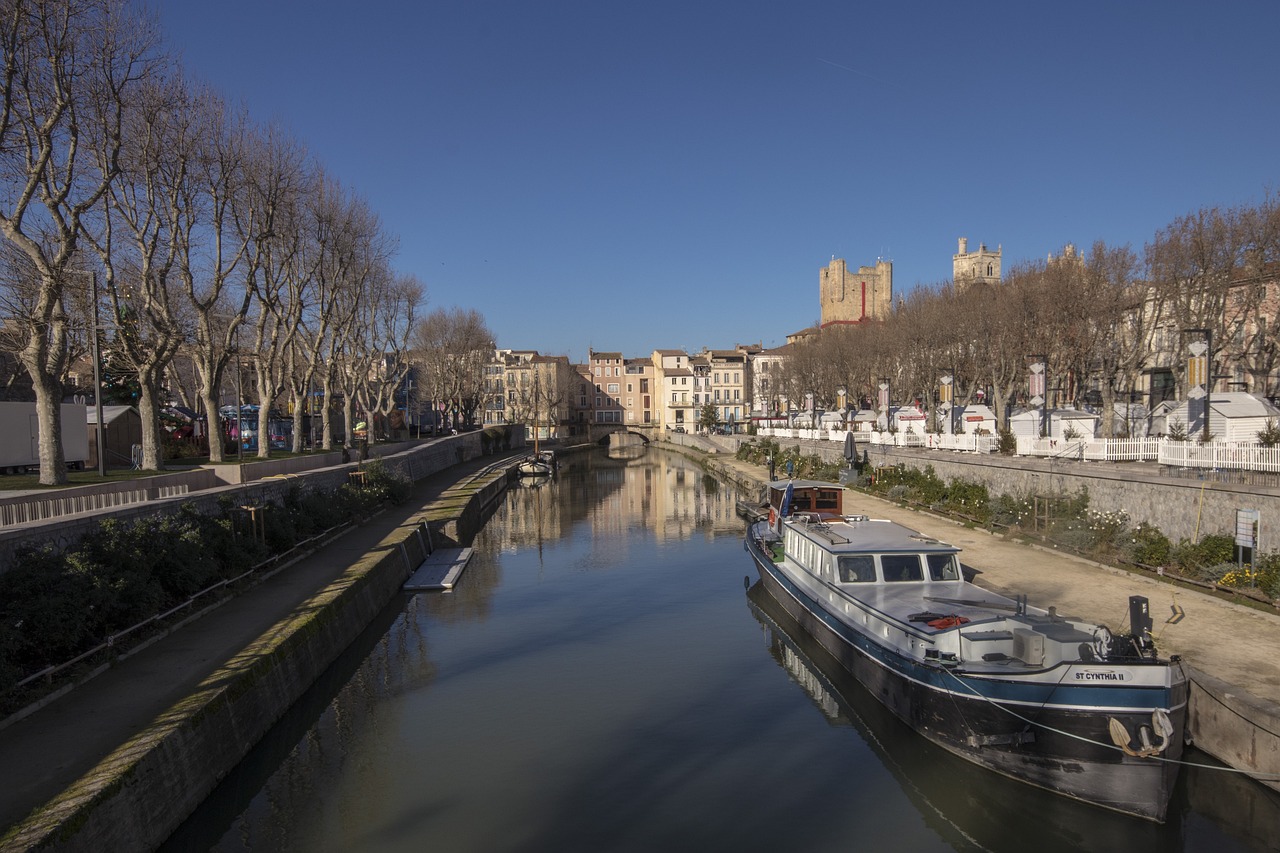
149, 410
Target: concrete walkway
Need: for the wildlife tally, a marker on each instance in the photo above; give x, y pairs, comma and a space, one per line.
42, 755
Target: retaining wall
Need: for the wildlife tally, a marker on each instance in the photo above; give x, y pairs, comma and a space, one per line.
412, 461
1238, 729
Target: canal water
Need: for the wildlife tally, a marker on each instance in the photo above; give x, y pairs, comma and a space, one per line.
607, 677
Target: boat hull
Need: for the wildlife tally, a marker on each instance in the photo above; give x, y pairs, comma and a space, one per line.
1059, 747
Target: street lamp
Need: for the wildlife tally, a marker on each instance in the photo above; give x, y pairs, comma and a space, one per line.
99, 435
408, 406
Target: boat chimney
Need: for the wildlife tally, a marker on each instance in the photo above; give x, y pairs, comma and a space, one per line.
1140, 619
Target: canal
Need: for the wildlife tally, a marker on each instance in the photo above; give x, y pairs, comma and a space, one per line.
602, 678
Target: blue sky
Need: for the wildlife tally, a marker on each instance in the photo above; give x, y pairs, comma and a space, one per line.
632, 176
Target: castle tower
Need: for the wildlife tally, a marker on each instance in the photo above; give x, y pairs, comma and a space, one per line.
847, 297
971, 267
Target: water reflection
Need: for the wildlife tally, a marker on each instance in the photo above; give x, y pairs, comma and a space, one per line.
975, 809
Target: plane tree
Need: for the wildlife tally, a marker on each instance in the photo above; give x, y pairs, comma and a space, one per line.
71, 69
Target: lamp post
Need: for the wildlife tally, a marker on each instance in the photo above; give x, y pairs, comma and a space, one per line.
408, 406
1200, 372
99, 436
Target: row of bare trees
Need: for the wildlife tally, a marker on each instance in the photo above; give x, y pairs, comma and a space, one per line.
1103, 319
197, 238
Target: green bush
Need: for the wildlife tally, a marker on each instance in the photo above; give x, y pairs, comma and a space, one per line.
55, 606
1214, 549
1148, 546
968, 499
1008, 445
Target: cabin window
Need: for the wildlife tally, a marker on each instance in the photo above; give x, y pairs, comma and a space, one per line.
901, 567
942, 567
828, 500
858, 568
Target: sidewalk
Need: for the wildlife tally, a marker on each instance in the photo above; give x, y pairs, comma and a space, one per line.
1228, 641
45, 753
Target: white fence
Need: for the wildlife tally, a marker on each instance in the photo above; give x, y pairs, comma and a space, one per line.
1236, 456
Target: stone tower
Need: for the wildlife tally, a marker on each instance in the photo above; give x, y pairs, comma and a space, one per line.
847, 297
971, 267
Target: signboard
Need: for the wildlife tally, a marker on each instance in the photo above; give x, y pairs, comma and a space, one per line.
1247, 527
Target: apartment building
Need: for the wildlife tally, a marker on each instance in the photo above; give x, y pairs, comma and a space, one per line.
673, 381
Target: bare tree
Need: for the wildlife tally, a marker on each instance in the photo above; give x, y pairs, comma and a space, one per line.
145, 206
70, 70
454, 346
275, 265
1193, 262
220, 225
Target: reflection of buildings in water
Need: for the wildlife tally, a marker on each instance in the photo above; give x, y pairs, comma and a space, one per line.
673, 495
664, 491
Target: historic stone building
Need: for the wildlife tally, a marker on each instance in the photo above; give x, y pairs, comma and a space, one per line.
972, 267
848, 297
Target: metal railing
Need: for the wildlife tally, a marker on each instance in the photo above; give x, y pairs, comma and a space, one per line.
1219, 456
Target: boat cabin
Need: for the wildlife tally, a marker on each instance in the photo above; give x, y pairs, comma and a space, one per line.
807, 496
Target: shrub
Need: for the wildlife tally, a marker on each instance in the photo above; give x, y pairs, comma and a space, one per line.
1008, 442
967, 498
1148, 546
1269, 435
1213, 550
55, 606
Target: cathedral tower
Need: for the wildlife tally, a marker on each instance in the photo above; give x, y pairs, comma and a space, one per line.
847, 297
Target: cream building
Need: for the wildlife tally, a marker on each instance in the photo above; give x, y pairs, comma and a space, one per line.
848, 297
969, 268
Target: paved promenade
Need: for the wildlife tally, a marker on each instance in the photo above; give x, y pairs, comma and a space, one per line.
45, 753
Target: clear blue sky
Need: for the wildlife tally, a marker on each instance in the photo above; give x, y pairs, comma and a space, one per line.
641, 175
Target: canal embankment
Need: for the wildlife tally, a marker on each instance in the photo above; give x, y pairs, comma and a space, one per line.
1234, 702
122, 788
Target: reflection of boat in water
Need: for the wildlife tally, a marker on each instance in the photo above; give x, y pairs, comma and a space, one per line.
968, 807
1044, 699
542, 463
